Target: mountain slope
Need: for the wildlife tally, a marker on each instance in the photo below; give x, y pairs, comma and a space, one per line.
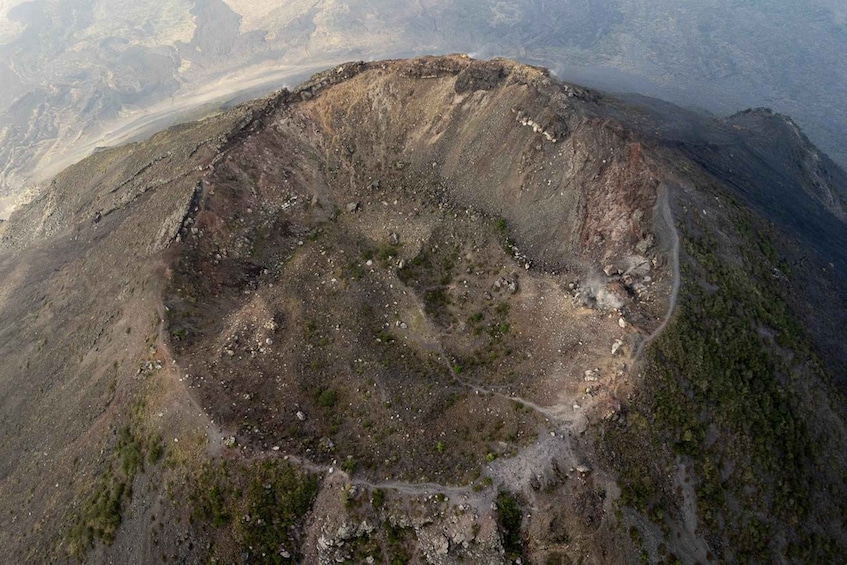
430, 310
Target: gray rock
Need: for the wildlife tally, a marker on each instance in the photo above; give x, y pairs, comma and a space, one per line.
301, 416
346, 531
393, 239
442, 545
352, 206
616, 346
645, 244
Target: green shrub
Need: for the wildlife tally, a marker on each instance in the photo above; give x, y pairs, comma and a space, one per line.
509, 519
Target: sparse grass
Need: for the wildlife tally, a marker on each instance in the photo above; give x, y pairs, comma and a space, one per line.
101, 513
354, 270
328, 398
377, 498
313, 334
494, 323
430, 273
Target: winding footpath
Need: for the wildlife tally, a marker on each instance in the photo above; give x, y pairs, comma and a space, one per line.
663, 206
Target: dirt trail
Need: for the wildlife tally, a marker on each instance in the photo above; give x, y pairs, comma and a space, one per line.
663, 206
479, 500
554, 413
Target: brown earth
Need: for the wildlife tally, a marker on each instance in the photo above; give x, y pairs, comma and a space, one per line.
420, 282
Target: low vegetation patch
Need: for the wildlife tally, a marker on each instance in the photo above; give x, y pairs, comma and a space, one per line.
101, 512
509, 519
259, 506
718, 397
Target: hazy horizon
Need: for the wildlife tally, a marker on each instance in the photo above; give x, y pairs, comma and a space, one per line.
77, 71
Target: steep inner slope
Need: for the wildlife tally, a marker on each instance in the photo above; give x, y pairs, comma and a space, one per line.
347, 321
371, 278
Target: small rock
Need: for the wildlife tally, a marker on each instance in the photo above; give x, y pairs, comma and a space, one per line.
513, 287
487, 296
393, 239
352, 206
230, 442
441, 545
621, 322
583, 469
616, 346
610, 270
346, 531
645, 244
301, 416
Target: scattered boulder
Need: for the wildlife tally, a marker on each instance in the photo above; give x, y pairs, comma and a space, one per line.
393, 239
352, 207
645, 244
510, 284
616, 346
